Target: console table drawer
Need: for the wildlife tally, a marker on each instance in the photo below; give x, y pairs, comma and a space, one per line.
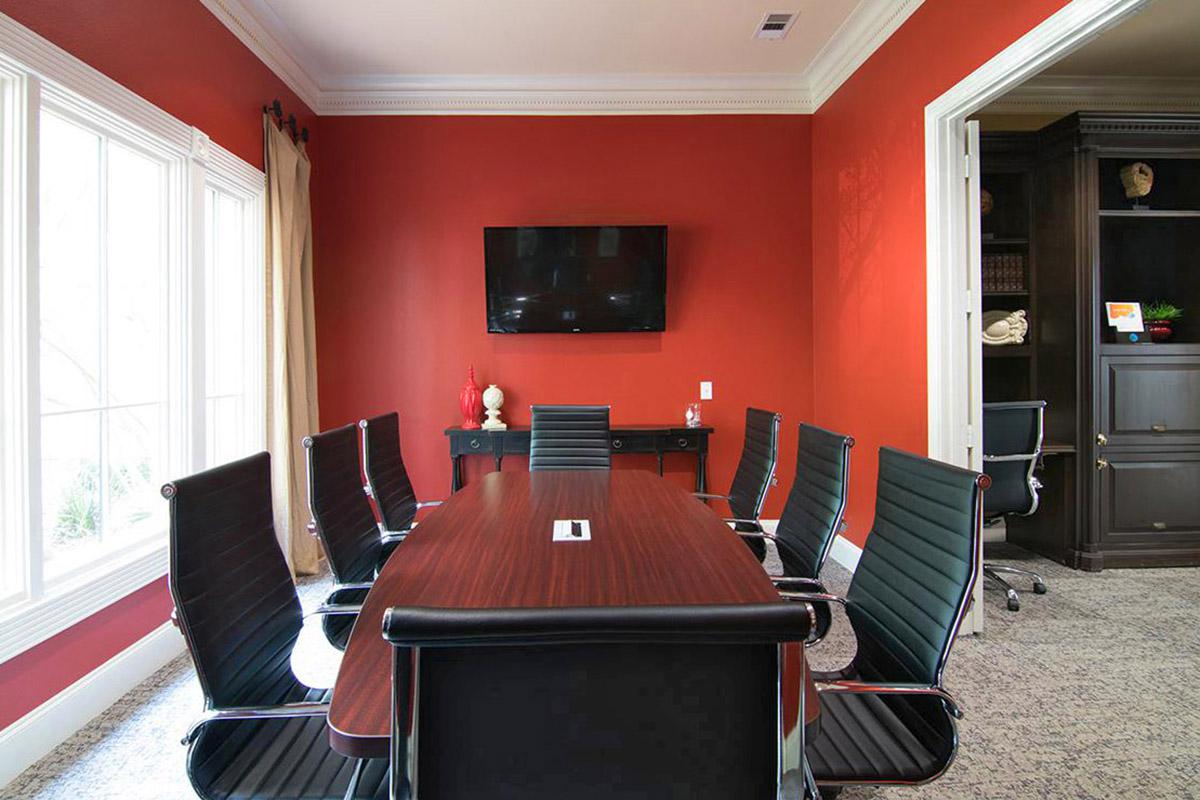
476, 443
682, 441
633, 443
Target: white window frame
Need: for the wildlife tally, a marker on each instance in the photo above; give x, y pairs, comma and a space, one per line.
30, 66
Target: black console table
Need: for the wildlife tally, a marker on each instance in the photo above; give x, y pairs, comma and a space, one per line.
657, 439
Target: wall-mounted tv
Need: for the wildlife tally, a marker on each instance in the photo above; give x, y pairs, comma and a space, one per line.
576, 279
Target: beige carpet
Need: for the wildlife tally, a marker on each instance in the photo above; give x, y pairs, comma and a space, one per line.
1090, 691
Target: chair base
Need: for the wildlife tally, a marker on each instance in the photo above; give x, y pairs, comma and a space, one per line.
991, 572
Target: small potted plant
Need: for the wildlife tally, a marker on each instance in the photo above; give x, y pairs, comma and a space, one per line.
1158, 318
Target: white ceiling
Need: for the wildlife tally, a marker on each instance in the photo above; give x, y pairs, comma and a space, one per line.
1162, 41
559, 56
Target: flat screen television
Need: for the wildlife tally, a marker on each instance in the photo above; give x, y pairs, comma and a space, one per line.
576, 279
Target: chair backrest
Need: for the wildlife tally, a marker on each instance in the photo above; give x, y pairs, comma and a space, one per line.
340, 509
913, 581
570, 437
234, 597
813, 511
1012, 443
590, 702
386, 475
756, 467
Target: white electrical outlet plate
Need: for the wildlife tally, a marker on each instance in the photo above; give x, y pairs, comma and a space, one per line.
572, 530
706, 390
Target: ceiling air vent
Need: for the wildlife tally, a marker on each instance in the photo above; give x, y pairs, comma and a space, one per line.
776, 24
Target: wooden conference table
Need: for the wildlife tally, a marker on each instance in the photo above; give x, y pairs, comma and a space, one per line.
489, 546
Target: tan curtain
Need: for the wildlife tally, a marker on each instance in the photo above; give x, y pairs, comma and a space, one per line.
291, 341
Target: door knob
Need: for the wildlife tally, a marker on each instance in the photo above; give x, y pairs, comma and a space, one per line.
1101, 439
1101, 463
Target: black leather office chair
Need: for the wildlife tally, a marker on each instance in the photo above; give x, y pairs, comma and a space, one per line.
262, 734
755, 474
387, 479
344, 522
600, 702
570, 437
885, 717
1012, 445
812, 515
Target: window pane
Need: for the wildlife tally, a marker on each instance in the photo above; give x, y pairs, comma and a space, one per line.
230, 337
69, 279
103, 345
71, 500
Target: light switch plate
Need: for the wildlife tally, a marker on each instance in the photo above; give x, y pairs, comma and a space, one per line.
706, 390
565, 530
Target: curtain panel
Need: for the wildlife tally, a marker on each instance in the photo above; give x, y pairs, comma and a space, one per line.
291, 341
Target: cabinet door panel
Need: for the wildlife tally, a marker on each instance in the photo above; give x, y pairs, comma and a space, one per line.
1150, 499
1150, 400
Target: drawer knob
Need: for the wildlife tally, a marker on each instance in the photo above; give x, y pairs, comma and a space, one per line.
683, 442
1159, 526
1101, 463
618, 444
475, 444
1158, 427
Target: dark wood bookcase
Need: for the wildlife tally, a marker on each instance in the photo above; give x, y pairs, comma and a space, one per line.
1122, 420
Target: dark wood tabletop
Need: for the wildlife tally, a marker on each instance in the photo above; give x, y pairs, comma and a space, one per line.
490, 546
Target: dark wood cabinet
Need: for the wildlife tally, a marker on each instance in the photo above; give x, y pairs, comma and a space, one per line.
1123, 489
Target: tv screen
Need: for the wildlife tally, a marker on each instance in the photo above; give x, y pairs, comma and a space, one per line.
576, 280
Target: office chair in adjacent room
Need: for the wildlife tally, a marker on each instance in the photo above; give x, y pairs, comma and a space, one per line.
262, 734
1012, 445
755, 474
570, 437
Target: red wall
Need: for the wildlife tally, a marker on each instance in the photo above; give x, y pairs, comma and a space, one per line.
868, 182
400, 286
180, 57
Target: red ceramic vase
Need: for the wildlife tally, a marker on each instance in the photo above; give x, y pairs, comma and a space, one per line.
1159, 330
470, 402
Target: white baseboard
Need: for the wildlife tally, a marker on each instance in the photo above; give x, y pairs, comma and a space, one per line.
845, 552
54, 721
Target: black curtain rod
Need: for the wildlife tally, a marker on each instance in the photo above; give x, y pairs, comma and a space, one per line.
276, 109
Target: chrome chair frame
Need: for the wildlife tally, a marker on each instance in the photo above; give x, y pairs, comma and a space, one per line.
835, 681
761, 500
992, 572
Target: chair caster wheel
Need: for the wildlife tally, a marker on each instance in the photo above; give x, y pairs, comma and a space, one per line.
1014, 604
1039, 588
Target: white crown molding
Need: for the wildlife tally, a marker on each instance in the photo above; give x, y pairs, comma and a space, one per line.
868, 26
1068, 93
265, 44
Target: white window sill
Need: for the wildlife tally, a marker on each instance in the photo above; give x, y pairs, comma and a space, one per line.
26, 624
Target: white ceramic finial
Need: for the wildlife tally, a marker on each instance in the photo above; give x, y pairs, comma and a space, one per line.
493, 398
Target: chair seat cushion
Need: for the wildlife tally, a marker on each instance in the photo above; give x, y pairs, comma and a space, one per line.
862, 739
285, 758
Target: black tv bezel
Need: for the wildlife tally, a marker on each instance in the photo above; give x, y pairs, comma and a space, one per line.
649, 329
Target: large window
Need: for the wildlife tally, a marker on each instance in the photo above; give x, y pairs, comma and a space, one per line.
131, 337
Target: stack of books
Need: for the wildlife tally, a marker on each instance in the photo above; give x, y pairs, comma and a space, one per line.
1004, 272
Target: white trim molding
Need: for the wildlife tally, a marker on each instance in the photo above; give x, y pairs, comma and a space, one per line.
1063, 94
41, 730
869, 25
952, 402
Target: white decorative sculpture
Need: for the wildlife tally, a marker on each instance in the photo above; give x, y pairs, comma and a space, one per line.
1002, 327
493, 398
